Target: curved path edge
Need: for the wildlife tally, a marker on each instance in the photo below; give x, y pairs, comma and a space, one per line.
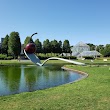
74, 70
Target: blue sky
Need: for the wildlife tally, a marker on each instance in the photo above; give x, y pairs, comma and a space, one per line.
76, 20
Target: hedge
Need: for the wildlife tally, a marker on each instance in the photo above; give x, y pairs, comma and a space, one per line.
4, 57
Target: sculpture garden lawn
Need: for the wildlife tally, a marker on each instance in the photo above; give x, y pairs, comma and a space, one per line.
92, 93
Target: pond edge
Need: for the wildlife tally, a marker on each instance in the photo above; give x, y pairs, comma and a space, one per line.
74, 70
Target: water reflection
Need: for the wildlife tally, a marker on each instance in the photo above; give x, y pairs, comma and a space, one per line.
29, 78
9, 80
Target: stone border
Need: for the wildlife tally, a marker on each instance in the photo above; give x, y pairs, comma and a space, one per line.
80, 72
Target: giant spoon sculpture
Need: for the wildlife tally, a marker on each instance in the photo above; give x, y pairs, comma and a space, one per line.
30, 50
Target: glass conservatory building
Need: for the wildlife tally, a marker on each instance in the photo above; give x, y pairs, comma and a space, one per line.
78, 48
89, 53
81, 50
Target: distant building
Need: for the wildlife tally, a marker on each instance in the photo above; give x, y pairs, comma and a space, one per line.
89, 54
2, 40
78, 48
65, 54
81, 50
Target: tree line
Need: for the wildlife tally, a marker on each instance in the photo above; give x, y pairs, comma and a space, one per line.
12, 46
53, 46
104, 50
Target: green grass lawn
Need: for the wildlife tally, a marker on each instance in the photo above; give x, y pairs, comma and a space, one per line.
96, 61
16, 62
92, 93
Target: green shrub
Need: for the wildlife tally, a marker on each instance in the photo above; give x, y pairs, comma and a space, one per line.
68, 57
4, 57
9, 58
43, 57
88, 57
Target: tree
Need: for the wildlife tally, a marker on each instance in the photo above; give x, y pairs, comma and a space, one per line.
100, 48
54, 46
46, 46
106, 50
14, 44
38, 46
5, 45
60, 46
27, 40
92, 46
66, 47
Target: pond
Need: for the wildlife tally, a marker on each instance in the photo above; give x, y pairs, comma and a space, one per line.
17, 79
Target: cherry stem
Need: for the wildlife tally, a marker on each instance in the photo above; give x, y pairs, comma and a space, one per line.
33, 34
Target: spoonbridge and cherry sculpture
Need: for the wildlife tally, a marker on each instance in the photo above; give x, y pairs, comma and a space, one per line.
30, 50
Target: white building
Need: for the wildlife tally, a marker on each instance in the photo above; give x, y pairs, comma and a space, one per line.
78, 48
82, 50
89, 54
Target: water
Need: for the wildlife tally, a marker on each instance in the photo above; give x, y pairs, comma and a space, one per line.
16, 79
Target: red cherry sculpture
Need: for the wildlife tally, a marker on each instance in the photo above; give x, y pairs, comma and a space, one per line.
30, 48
